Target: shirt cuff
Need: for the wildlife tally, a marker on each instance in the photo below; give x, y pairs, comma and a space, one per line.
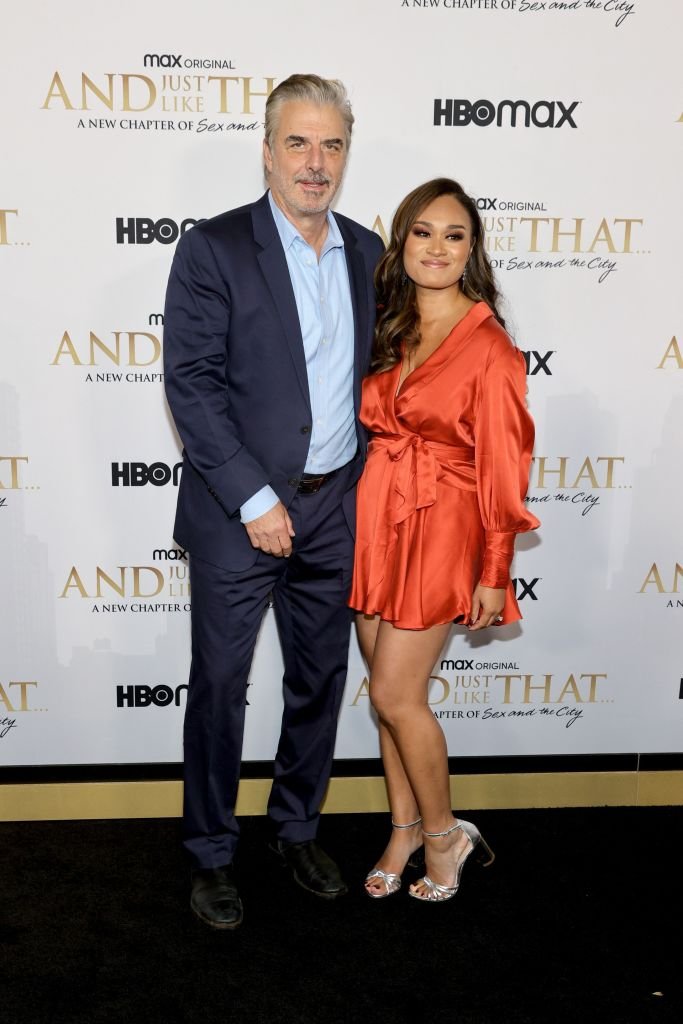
258, 504
500, 547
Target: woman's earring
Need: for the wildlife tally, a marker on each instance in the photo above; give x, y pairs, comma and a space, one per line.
464, 273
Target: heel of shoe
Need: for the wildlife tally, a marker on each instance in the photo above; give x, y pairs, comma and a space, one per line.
417, 859
484, 854
481, 850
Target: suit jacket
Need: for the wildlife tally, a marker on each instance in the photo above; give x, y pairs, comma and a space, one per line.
235, 372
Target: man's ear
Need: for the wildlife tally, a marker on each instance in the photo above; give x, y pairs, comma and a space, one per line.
267, 156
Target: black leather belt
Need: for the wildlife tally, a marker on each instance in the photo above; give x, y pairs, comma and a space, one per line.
311, 483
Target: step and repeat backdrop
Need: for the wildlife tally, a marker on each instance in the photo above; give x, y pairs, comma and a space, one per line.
122, 126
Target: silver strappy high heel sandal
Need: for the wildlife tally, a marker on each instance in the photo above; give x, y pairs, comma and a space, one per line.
392, 882
435, 893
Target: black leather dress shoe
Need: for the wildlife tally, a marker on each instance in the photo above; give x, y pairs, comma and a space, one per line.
214, 898
311, 868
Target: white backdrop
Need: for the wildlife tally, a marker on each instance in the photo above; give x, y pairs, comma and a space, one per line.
122, 123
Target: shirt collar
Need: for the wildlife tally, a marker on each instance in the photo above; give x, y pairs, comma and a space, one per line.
289, 234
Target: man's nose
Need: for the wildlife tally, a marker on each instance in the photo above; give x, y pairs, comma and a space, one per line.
315, 157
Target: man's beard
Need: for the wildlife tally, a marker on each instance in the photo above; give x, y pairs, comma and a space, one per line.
298, 199
313, 202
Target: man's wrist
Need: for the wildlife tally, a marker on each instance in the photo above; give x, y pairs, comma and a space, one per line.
258, 504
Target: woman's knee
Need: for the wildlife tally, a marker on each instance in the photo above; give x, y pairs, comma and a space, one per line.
392, 707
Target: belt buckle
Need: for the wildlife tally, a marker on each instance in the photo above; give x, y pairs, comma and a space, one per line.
313, 485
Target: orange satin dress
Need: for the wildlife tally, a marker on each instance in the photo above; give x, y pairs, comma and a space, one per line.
441, 497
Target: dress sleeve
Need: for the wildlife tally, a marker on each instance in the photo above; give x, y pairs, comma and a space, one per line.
503, 443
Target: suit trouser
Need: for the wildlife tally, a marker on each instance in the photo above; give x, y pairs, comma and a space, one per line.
309, 591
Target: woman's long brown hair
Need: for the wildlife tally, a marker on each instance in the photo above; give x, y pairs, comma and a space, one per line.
399, 319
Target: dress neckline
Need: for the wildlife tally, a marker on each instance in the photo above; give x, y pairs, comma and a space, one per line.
454, 332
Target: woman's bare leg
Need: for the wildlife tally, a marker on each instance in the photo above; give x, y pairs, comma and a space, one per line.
402, 802
402, 662
401, 798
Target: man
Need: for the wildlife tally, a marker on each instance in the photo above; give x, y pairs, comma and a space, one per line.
267, 333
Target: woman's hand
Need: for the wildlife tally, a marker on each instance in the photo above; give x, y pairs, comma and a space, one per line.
487, 604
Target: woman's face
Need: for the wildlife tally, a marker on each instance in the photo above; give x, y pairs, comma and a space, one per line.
438, 244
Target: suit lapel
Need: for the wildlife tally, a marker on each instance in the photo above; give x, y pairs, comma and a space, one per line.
276, 274
358, 282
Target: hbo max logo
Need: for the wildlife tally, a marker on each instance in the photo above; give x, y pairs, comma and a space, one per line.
137, 474
143, 231
513, 113
145, 696
525, 588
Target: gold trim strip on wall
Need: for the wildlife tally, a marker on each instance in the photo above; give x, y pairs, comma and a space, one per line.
90, 800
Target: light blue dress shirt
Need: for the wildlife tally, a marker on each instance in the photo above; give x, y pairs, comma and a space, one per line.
323, 301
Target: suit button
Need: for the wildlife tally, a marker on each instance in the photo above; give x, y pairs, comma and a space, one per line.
294, 482
305, 430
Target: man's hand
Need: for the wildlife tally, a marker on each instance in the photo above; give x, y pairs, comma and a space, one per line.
487, 604
272, 532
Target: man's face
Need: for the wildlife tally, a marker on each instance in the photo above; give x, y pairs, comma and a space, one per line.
307, 159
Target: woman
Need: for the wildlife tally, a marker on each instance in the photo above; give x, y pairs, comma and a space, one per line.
439, 504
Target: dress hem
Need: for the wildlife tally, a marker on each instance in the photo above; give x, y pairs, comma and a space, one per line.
456, 620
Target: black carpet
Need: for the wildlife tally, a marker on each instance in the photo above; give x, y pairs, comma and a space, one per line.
579, 919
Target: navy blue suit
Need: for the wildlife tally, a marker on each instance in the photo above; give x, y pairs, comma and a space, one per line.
236, 383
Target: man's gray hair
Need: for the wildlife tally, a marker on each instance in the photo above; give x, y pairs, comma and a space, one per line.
308, 89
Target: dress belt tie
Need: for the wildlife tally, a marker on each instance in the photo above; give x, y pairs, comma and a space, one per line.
417, 461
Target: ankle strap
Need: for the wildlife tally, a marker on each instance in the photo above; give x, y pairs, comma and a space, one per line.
434, 835
418, 821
